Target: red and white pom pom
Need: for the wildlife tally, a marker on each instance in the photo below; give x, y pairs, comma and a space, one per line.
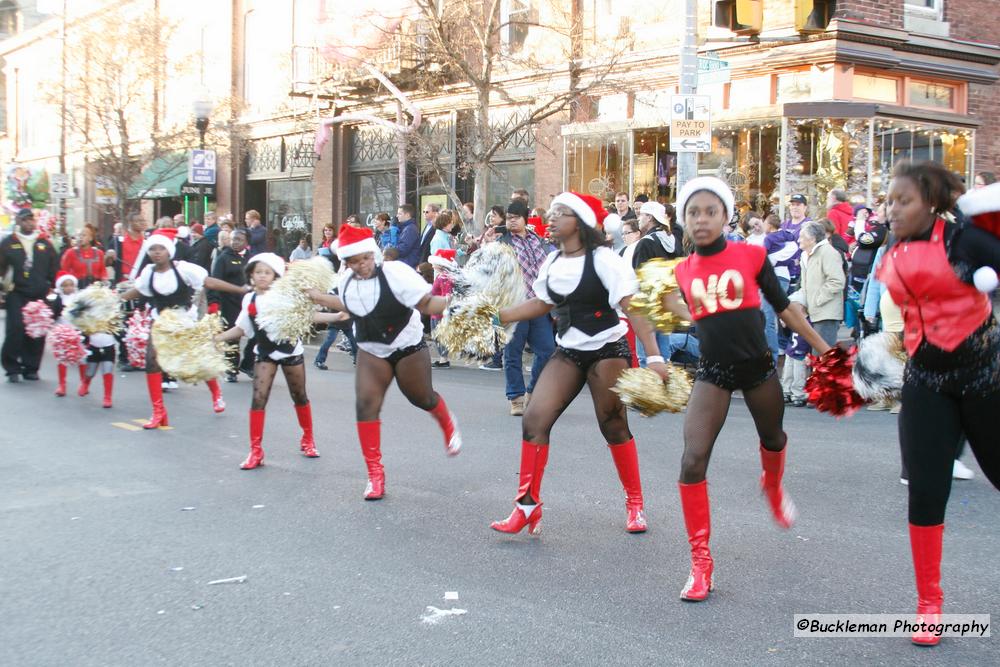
37, 319
830, 387
137, 337
67, 345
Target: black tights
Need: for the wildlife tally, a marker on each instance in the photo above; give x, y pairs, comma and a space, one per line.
931, 424
706, 413
560, 382
374, 375
263, 378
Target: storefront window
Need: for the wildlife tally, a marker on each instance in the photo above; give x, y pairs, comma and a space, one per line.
598, 164
505, 177
373, 193
746, 156
654, 168
931, 95
289, 214
896, 140
877, 88
827, 153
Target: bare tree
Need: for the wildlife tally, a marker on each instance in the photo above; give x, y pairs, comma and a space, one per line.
116, 113
533, 62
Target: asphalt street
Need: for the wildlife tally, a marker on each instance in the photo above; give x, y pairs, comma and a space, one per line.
110, 535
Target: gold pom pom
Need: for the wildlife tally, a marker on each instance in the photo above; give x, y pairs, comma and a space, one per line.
184, 347
656, 281
642, 389
467, 329
96, 309
284, 312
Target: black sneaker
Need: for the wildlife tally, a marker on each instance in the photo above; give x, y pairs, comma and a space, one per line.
14, 378
126, 368
320, 365
247, 371
441, 364
799, 403
490, 366
232, 377
31, 376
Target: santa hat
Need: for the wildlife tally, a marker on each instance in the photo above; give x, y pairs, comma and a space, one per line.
63, 276
587, 208
276, 263
443, 258
983, 206
355, 241
655, 209
159, 238
711, 184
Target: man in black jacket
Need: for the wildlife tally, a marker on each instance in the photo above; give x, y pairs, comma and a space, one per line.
659, 239
32, 263
200, 250
230, 266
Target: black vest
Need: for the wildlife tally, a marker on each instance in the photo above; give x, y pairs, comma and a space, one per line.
387, 319
585, 308
265, 346
182, 297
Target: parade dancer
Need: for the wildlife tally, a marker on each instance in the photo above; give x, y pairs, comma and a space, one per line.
262, 270
951, 383
171, 284
722, 284
66, 285
587, 286
385, 300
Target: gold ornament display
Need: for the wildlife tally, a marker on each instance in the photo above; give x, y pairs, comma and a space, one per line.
643, 390
185, 348
656, 281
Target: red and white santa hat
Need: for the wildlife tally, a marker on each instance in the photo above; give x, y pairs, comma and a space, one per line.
983, 206
356, 241
63, 276
588, 208
444, 258
276, 263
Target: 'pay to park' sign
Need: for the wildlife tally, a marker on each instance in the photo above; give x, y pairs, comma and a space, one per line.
690, 124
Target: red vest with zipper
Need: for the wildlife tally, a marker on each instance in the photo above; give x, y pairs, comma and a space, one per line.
936, 305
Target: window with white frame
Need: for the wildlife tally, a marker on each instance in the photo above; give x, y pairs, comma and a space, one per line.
515, 18
925, 17
928, 9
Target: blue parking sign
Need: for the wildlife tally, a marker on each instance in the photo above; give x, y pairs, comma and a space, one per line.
201, 167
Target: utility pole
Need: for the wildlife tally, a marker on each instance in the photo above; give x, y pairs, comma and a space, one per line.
62, 118
687, 162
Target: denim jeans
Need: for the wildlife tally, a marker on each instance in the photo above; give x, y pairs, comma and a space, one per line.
538, 334
771, 321
331, 337
441, 349
671, 344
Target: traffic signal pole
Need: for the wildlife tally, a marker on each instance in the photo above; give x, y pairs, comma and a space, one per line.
687, 162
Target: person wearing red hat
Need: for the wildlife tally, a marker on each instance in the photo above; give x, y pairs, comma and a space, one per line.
385, 300
940, 274
721, 283
201, 248
588, 287
171, 284
262, 270
84, 260
443, 260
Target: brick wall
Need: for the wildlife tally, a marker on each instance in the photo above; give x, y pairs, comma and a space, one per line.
882, 12
548, 159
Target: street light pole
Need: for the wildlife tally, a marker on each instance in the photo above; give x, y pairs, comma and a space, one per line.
202, 111
687, 163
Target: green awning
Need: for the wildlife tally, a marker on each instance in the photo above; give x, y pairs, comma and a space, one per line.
162, 179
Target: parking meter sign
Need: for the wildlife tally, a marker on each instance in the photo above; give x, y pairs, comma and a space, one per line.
201, 167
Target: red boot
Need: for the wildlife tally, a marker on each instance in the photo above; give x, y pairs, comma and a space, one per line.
371, 448
782, 506
697, 520
61, 387
533, 460
84, 382
627, 462
308, 446
154, 383
446, 420
256, 457
925, 543
109, 383
217, 403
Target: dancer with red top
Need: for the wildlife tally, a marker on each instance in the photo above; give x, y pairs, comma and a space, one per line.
262, 270
589, 287
721, 283
385, 300
170, 284
951, 384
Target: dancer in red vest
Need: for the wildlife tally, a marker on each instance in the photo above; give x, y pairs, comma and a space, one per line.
722, 283
588, 287
951, 384
385, 300
262, 270
170, 284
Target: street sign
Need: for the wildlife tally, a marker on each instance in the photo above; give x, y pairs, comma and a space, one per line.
690, 124
711, 69
201, 167
60, 186
104, 191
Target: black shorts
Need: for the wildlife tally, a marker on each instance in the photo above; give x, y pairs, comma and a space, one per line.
294, 360
96, 355
584, 359
740, 375
404, 352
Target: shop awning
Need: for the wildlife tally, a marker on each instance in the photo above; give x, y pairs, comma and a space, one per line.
163, 178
